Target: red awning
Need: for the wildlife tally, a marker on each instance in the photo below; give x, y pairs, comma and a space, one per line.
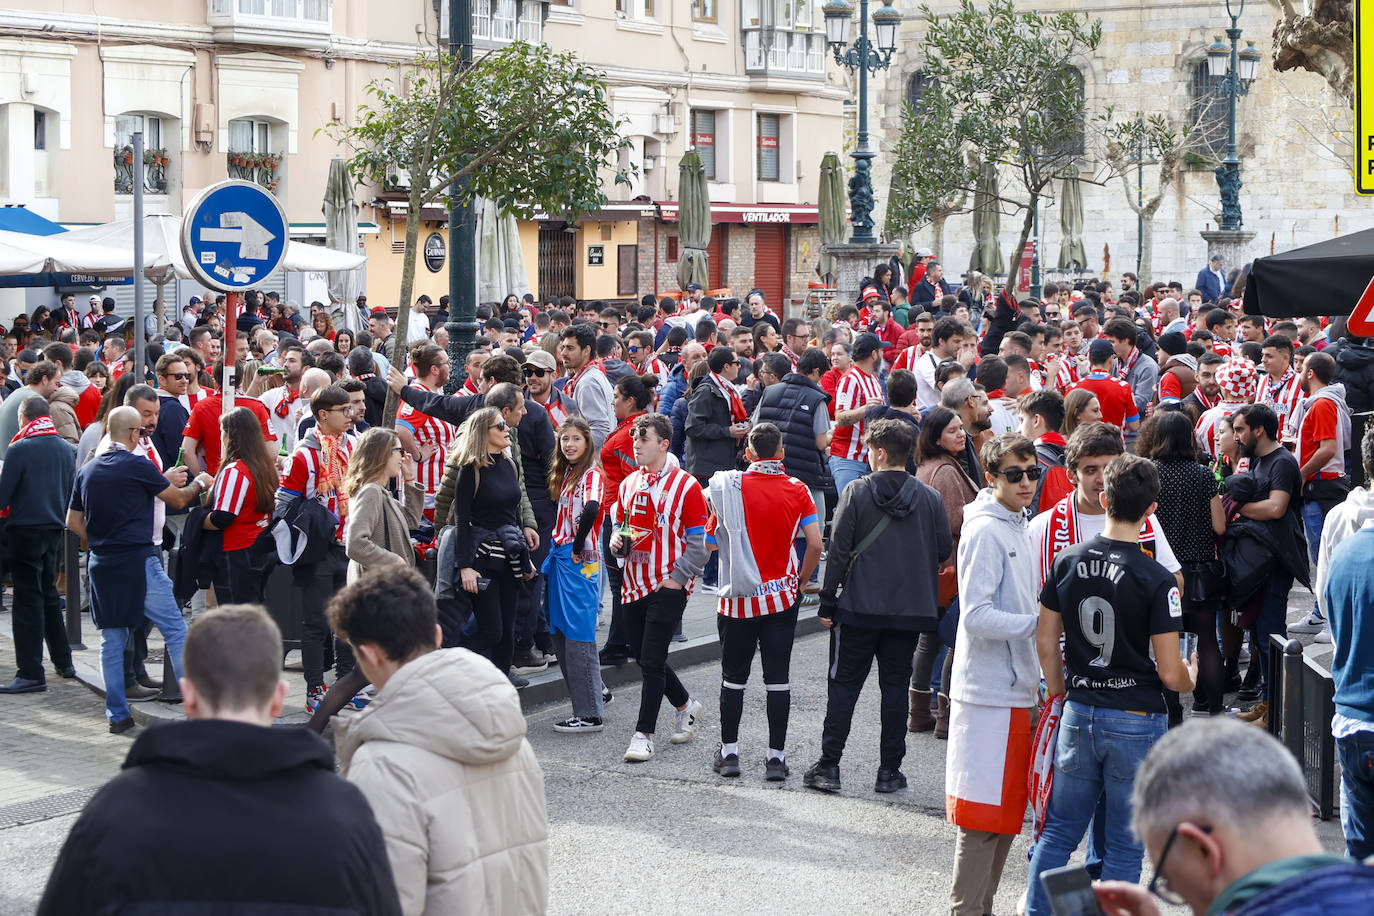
749, 213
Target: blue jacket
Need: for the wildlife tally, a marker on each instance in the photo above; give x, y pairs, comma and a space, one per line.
36, 483
1315, 885
1348, 590
1208, 284
672, 389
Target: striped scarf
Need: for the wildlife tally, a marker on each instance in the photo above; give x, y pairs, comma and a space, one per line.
333, 465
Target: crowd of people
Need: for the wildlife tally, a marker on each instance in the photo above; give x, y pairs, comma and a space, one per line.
1060, 525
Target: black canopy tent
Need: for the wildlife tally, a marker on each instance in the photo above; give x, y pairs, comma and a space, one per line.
1322, 279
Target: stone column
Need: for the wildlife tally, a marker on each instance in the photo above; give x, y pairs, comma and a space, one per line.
857, 261
1231, 244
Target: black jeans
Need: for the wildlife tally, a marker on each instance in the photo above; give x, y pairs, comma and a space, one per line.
32, 559
490, 631
651, 622
532, 620
236, 582
772, 635
618, 639
852, 650
1272, 620
316, 586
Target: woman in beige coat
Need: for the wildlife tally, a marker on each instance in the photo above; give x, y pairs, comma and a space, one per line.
376, 536
941, 442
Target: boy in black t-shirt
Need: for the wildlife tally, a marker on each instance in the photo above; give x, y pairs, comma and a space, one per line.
1112, 604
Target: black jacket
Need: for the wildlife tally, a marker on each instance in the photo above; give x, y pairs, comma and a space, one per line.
1354, 370
36, 483
710, 447
793, 407
171, 422
927, 293
196, 556
894, 583
374, 400
245, 820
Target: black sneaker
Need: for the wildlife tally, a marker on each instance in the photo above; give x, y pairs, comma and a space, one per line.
727, 765
612, 656
529, 661
578, 724
1248, 694
889, 781
122, 726
606, 696
775, 770
518, 682
823, 776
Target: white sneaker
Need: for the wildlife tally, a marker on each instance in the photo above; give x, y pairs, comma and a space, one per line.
1312, 623
1323, 638
641, 749
686, 723
1021, 903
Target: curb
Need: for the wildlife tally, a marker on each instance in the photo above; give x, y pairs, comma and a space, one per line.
544, 688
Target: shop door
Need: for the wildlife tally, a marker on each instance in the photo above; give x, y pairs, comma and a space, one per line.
715, 257
770, 264
557, 255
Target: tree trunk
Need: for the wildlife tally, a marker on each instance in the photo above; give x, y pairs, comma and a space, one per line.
1027, 225
398, 349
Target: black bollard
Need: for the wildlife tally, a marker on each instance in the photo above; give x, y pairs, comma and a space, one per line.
71, 558
1292, 699
171, 690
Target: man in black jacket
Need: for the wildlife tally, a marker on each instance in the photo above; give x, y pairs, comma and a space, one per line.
888, 538
217, 786
35, 484
715, 425
363, 367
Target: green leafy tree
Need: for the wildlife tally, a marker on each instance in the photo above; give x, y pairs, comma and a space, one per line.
1014, 93
933, 173
526, 127
1144, 154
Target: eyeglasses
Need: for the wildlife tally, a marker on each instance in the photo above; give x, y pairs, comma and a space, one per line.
345, 407
1159, 885
604, 325
1014, 475
535, 372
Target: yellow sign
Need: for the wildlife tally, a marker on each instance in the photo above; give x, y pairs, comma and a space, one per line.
1364, 100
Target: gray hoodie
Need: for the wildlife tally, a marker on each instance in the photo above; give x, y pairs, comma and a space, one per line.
1335, 393
995, 661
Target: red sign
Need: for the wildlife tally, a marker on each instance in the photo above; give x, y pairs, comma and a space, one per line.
1361, 319
1023, 275
768, 142
703, 139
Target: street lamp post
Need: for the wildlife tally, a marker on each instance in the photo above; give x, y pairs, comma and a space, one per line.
1238, 70
462, 227
863, 57
1144, 152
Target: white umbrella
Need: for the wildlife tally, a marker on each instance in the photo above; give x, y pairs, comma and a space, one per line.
500, 261
341, 234
21, 253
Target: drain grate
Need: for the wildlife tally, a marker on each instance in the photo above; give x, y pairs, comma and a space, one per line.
41, 809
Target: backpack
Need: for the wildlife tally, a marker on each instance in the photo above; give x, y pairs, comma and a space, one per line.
1051, 459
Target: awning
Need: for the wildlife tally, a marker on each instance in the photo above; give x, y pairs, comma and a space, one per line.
316, 230
397, 210
22, 219
1322, 279
750, 213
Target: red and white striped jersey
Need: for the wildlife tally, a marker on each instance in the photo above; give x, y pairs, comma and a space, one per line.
302, 471
428, 430
776, 508
856, 388
669, 505
1206, 433
1282, 395
1069, 374
906, 359
234, 492
574, 498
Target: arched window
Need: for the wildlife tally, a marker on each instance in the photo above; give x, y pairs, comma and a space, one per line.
916, 91
1073, 135
1206, 112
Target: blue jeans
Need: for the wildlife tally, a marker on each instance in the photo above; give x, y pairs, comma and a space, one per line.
1098, 753
159, 607
1357, 793
1313, 520
845, 471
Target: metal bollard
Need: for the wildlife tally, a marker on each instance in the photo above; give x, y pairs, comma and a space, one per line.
1292, 698
71, 552
171, 690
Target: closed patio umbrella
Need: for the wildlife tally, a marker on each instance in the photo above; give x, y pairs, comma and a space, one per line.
695, 215
341, 234
500, 260
987, 224
1072, 255
831, 203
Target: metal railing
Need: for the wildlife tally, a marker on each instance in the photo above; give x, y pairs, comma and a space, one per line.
1301, 704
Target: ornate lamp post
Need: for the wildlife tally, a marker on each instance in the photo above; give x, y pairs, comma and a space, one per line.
1238, 70
865, 57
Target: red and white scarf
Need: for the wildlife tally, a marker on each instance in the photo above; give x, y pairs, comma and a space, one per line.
597, 364
330, 475
42, 426
737, 412
1206, 402
283, 409
1063, 532
1125, 366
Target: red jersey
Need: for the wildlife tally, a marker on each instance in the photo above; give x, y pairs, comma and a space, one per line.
234, 492
576, 495
670, 506
776, 508
617, 461
1321, 421
88, 405
203, 426
1113, 396
855, 390
908, 358
428, 430
302, 476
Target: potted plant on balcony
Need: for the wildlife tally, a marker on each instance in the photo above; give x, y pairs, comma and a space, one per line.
124, 155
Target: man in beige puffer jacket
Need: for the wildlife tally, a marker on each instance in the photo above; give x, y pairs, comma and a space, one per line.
441, 756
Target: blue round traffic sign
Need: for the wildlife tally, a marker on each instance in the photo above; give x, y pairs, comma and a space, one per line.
234, 234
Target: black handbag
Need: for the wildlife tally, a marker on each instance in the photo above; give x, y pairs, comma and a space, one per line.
1204, 585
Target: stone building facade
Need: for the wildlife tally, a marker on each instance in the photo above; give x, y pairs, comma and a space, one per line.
1293, 137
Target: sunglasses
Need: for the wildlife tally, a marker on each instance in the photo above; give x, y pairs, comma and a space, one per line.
641, 434
534, 372
1014, 475
501, 426
179, 376
603, 325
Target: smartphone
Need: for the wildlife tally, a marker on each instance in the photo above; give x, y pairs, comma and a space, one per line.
1070, 890
1187, 645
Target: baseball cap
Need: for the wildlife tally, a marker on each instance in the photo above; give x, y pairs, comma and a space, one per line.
924, 253
378, 311
693, 287
95, 299
866, 344
1100, 350
870, 293
540, 359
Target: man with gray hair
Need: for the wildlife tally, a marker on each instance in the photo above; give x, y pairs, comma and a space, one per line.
970, 402
1223, 812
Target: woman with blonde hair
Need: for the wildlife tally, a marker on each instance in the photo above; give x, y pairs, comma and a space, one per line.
490, 550
573, 571
323, 325
377, 533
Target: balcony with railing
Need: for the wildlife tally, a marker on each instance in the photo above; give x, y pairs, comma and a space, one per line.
263, 169
155, 166
285, 23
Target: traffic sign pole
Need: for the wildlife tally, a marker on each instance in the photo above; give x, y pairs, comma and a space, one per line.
229, 354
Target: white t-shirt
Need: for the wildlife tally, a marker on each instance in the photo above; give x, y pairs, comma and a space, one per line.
284, 428
1089, 527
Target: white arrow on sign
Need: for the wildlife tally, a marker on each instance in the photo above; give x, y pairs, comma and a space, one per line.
252, 238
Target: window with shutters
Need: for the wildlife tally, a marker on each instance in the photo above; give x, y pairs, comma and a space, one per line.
768, 134
1206, 141
704, 139
916, 91
672, 248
